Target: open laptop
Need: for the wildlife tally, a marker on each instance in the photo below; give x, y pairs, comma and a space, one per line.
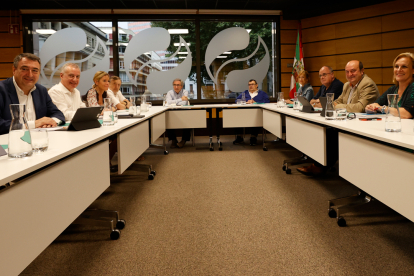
307, 107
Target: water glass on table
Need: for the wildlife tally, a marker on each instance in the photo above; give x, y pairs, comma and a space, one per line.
40, 140
108, 114
340, 114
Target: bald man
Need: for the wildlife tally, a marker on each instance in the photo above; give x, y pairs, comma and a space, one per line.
359, 91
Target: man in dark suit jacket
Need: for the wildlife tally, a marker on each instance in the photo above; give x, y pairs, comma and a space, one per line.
40, 110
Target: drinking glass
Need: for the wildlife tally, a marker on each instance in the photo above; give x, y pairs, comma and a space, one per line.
133, 106
40, 140
393, 121
149, 104
340, 114
281, 99
108, 115
295, 101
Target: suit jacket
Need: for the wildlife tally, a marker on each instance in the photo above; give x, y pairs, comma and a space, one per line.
44, 107
261, 97
366, 93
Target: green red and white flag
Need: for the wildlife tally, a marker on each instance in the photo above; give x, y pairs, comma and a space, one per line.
298, 64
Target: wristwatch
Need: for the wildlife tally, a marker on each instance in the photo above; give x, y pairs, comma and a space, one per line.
383, 109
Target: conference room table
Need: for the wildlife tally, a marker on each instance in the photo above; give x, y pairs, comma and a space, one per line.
55, 187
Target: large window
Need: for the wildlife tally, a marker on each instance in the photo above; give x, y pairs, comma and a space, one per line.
57, 43
251, 51
214, 58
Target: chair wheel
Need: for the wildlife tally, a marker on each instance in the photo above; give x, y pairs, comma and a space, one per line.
153, 172
284, 168
151, 176
264, 149
166, 152
288, 171
120, 224
341, 222
115, 234
331, 213
211, 149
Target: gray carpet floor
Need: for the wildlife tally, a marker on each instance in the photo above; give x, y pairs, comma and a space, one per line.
233, 212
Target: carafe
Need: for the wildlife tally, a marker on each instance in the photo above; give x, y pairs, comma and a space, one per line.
20, 144
330, 108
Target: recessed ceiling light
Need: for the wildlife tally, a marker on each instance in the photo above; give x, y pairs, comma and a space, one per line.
183, 53
227, 53
222, 57
182, 44
45, 31
178, 31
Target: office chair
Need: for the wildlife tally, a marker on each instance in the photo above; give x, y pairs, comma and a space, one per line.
339, 206
105, 218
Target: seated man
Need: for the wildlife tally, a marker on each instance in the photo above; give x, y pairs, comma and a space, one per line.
178, 96
114, 86
22, 89
65, 95
358, 92
253, 95
330, 84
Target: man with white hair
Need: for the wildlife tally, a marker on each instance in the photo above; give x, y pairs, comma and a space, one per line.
178, 96
64, 94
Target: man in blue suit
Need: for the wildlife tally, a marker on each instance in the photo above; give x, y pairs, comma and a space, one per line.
253, 95
22, 89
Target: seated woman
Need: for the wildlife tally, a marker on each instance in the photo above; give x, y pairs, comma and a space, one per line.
403, 79
305, 89
120, 101
96, 95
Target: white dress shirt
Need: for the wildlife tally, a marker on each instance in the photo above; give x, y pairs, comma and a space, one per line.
173, 97
254, 94
67, 102
116, 98
28, 101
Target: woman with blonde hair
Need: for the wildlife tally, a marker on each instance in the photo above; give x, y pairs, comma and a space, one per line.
96, 95
403, 86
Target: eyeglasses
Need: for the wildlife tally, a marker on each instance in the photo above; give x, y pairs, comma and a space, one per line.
324, 75
176, 84
351, 116
252, 84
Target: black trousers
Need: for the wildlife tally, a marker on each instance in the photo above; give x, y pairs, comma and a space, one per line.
172, 134
254, 131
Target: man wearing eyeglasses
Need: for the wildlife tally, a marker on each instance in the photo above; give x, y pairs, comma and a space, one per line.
22, 89
178, 96
64, 94
253, 95
330, 84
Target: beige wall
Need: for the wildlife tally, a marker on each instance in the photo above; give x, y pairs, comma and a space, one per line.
10, 45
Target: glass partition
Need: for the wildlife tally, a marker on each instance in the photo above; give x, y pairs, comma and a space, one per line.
150, 54
156, 57
233, 53
83, 43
